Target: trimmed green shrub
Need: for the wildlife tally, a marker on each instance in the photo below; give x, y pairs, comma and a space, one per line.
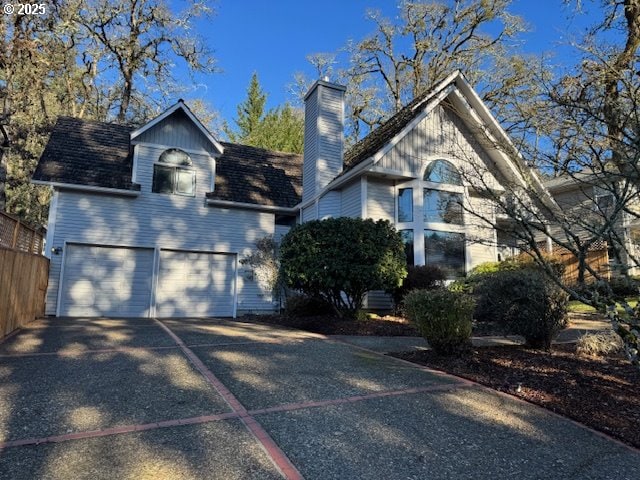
525, 302
341, 259
304, 306
624, 286
474, 283
419, 277
443, 318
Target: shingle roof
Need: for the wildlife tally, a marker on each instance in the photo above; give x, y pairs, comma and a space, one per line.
373, 142
379, 137
254, 175
83, 152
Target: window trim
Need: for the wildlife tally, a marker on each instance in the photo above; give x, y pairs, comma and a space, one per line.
418, 224
426, 222
174, 182
445, 158
465, 247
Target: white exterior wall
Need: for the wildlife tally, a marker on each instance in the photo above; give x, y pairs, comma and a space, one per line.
310, 213
177, 131
160, 221
481, 236
352, 200
329, 205
323, 142
380, 200
442, 134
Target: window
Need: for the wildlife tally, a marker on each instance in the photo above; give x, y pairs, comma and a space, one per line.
445, 250
405, 205
442, 171
407, 239
172, 175
442, 207
604, 202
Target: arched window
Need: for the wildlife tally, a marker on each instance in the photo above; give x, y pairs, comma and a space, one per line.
175, 156
172, 173
442, 171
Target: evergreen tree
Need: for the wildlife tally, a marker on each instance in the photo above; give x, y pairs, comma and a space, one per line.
250, 114
280, 128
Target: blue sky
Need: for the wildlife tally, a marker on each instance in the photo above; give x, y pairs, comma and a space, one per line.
273, 38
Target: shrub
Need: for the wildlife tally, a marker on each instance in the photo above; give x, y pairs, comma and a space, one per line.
599, 344
419, 277
341, 259
443, 318
305, 306
474, 283
525, 302
624, 286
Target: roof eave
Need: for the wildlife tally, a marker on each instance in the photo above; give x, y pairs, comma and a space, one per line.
88, 188
251, 206
180, 105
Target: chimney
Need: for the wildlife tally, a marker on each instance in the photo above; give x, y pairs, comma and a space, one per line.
323, 136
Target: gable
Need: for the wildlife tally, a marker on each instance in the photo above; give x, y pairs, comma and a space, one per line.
442, 134
177, 130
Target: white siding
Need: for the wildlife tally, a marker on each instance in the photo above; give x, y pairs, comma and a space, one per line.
442, 133
310, 148
352, 200
163, 221
380, 200
378, 300
102, 281
480, 236
323, 138
329, 205
177, 130
280, 232
195, 284
309, 213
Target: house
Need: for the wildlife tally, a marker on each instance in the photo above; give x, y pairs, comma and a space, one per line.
153, 221
588, 202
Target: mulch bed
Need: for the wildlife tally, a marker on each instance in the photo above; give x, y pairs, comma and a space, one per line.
329, 325
603, 393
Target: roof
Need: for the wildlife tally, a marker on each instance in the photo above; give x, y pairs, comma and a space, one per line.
254, 175
98, 154
379, 137
84, 152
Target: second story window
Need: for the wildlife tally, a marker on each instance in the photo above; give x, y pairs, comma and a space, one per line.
405, 205
174, 173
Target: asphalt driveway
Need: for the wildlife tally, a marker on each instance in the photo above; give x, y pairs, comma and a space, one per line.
187, 399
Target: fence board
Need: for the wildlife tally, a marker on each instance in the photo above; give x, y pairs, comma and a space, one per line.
17, 235
23, 285
598, 260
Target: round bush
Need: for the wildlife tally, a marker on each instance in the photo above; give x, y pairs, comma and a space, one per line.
419, 277
443, 318
525, 302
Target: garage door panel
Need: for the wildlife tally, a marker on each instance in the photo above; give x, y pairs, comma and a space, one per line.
106, 281
195, 284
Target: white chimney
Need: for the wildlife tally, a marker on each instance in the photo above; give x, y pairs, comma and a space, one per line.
323, 136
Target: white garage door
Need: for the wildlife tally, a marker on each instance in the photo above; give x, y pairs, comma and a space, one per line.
195, 284
106, 281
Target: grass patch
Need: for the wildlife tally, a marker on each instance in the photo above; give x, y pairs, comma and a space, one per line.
576, 306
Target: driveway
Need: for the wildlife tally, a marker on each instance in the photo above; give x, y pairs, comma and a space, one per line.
135, 399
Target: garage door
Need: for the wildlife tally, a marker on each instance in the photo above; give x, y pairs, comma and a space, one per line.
106, 281
195, 284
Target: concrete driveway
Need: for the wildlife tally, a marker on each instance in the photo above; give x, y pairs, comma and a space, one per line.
187, 399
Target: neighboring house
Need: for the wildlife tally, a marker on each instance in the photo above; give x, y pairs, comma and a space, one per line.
586, 203
153, 221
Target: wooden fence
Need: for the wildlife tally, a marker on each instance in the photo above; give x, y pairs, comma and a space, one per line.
597, 259
23, 286
15, 234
